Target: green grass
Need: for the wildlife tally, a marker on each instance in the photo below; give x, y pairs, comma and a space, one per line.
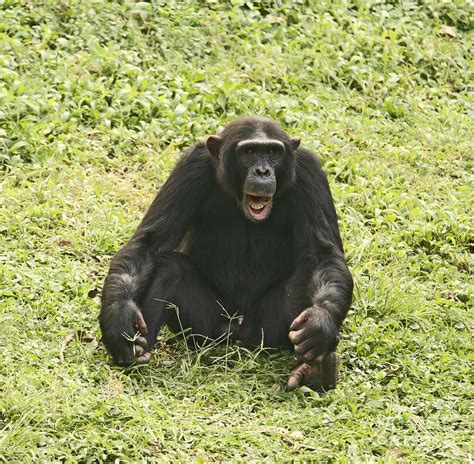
96, 100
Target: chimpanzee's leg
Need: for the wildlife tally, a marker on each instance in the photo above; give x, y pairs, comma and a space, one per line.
268, 322
179, 298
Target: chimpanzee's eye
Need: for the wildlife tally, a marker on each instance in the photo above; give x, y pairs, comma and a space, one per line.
270, 152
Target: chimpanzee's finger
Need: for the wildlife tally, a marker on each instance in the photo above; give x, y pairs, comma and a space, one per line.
144, 358
297, 336
141, 341
140, 323
138, 350
299, 321
313, 356
306, 345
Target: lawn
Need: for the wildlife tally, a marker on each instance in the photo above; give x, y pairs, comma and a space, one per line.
96, 101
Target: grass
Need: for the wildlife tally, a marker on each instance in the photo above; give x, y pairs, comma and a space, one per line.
96, 100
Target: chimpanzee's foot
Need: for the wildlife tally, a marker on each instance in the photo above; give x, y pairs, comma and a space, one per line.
319, 375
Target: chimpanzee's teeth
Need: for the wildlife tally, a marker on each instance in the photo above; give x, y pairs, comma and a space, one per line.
259, 206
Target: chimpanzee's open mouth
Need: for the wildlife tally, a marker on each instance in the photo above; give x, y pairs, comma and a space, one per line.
258, 207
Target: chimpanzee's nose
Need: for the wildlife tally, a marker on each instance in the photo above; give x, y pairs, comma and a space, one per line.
263, 171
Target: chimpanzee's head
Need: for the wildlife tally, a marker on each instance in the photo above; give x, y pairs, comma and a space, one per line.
254, 161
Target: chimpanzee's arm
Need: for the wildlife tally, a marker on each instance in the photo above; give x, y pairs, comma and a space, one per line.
167, 220
322, 283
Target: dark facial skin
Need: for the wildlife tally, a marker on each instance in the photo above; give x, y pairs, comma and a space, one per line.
259, 161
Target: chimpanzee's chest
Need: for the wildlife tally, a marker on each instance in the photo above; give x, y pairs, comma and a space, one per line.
238, 258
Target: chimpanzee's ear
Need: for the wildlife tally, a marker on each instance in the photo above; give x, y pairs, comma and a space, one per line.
295, 142
213, 144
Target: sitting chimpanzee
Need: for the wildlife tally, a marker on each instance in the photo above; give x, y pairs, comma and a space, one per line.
243, 240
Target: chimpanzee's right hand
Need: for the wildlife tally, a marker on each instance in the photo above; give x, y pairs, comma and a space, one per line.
124, 332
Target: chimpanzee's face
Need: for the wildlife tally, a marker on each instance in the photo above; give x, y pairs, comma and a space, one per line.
255, 162
258, 162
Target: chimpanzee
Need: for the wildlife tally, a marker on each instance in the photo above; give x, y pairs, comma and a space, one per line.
243, 241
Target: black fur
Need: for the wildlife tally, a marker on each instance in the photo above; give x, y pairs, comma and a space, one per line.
225, 274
